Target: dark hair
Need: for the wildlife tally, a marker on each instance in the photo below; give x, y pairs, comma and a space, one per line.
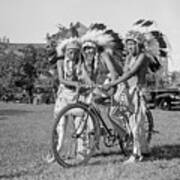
155, 64
82, 60
141, 47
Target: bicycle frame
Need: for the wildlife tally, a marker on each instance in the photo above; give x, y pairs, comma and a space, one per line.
97, 114
117, 131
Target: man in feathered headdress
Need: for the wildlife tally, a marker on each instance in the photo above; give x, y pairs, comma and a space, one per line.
136, 67
101, 59
106, 48
68, 54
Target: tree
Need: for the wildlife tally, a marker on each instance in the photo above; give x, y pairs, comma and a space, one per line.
9, 69
175, 77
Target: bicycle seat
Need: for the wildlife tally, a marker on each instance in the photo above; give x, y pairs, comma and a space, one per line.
102, 100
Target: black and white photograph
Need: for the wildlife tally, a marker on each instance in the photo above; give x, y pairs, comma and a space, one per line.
89, 90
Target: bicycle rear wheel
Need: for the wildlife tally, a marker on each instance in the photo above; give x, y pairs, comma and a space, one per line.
126, 143
149, 125
75, 135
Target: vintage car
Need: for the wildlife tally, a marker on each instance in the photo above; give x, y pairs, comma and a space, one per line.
164, 99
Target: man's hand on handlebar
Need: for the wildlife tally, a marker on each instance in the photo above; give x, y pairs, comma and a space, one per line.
104, 89
106, 86
90, 86
85, 87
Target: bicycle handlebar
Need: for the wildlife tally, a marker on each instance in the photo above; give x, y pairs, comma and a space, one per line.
91, 88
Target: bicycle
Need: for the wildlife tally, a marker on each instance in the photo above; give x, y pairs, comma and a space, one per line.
84, 122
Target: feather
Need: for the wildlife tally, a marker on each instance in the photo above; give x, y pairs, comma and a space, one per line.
118, 42
60, 49
106, 40
154, 64
139, 22
159, 36
155, 48
97, 26
163, 53
151, 44
147, 23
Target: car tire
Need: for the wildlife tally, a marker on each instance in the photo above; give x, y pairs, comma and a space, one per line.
165, 104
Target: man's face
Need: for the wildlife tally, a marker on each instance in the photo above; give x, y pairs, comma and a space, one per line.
70, 67
72, 55
89, 53
132, 47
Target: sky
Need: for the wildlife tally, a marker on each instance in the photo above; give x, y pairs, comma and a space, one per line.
28, 21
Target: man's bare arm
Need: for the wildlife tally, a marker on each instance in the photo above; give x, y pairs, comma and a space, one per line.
61, 78
128, 74
105, 56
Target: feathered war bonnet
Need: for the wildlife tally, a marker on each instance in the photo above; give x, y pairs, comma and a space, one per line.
103, 39
135, 36
154, 41
70, 43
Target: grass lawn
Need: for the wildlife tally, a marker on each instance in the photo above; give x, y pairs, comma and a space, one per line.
25, 132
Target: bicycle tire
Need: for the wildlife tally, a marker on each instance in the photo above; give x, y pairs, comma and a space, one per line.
150, 124
69, 108
126, 145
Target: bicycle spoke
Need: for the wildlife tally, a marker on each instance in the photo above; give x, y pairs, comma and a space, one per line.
75, 143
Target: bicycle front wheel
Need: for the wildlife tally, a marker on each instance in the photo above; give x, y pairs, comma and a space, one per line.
75, 135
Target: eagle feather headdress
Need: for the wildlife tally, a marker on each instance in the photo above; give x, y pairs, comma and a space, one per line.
107, 42
61, 47
154, 41
105, 39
